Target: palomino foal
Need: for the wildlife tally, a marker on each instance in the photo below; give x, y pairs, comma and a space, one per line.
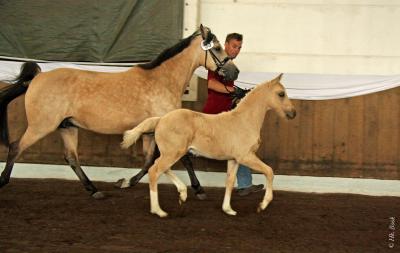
232, 136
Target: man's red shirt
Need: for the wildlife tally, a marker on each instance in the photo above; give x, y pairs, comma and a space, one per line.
217, 102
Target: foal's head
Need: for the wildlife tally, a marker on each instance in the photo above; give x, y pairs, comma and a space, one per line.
215, 57
278, 99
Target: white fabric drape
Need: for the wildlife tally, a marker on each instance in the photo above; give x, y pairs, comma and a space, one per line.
318, 87
299, 86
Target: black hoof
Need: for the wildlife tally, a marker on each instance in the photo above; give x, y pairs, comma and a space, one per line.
3, 182
121, 183
134, 180
201, 194
98, 195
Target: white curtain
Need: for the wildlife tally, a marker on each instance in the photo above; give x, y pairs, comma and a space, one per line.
299, 86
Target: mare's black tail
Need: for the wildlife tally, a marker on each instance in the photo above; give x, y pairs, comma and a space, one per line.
8, 93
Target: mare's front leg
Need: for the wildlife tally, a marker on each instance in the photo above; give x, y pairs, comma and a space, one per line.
253, 162
230, 181
151, 153
198, 189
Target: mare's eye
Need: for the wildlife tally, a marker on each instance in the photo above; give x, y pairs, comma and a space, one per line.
281, 94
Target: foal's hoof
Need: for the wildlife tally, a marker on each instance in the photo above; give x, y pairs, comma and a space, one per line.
201, 196
230, 212
262, 206
161, 214
98, 195
122, 183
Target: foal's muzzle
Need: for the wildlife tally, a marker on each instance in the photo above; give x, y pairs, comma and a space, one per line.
291, 114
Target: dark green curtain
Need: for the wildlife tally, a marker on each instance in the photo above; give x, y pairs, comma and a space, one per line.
89, 30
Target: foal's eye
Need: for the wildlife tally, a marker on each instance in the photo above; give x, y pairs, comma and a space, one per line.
281, 94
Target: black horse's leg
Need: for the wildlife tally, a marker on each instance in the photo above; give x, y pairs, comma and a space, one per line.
11, 158
148, 162
73, 162
16, 148
151, 153
70, 138
198, 189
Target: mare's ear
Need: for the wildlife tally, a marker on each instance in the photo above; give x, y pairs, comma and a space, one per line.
206, 33
203, 31
278, 78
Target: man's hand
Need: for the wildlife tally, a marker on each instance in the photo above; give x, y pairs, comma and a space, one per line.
237, 95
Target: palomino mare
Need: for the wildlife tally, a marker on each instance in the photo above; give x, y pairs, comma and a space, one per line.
108, 103
232, 136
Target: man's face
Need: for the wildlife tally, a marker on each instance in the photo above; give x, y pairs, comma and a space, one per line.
232, 48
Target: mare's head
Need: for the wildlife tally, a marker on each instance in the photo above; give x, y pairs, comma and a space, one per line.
215, 57
278, 99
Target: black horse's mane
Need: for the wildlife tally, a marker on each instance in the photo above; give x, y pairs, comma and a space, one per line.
169, 52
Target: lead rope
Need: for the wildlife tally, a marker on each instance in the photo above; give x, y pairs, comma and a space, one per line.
205, 60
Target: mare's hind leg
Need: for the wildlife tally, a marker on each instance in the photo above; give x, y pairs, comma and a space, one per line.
13, 153
151, 153
70, 138
199, 191
15, 150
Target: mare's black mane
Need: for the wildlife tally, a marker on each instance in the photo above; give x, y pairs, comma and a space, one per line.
169, 53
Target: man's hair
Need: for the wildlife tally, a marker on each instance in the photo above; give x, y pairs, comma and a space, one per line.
234, 36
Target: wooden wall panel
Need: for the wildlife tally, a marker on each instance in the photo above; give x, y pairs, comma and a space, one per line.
305, 112
352, 137
388, 138
355, 130
371, 126
340, 130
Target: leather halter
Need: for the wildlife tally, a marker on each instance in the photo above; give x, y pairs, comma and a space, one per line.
209, 48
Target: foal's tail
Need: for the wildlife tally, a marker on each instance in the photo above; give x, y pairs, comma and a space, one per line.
147, 126
18, 87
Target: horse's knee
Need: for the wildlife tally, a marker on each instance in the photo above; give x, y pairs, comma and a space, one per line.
71, 160
269, 173
13, 151
152, 174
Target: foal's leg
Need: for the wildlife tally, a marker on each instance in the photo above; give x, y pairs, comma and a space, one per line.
151, 153
16, 148
230, 181
199, 191
162, 164
70, 138
180, 186
253, 162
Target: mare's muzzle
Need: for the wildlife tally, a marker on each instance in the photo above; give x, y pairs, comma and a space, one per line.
229, 71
